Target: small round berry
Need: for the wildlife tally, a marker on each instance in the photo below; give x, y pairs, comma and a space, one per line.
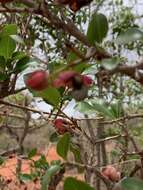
111, 173
87, 81
37, 80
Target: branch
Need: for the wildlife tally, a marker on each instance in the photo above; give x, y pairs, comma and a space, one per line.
94, 169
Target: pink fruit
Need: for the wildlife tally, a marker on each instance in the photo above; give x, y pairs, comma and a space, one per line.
37, 80
111, 173
59, 125
64, 79
87, 81
57, 83
62, 126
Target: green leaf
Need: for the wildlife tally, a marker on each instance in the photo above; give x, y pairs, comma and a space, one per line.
41, 163
51, 95
32, 153
74, 184
7, 44
54, 137
7, 47
63, 145
22, 63
84, 107
117, 109
111, 63
2, 63
3, 76
94, 107
76, 152
129, 36
1, 160
25, 177
97, 29
72, 57
131, 184
17, 38
9, 29
18, 55
103, 109
48, 175
81, 67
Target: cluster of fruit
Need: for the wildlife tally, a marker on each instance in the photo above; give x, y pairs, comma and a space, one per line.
111, 173
76, 83
74, 5
62, 126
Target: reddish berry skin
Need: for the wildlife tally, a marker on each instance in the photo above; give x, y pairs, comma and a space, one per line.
72, 79
37, 80
87, 81
77, 83
64, 79
62, 126
111, 173
57, 83
58, 123
59, 126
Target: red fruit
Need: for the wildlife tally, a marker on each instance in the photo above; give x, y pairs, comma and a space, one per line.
75, 81
62, 126
111, 173
74, 5
57, 83
37, 80
64, 79
87, 81
58, 123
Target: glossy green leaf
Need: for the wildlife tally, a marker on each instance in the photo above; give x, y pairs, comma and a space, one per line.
7, 44
48, 175
51, 95
76, 153
131, 35
98, 28
22, 64
41, 163
132, 184
103, 109
117, 109
32, 153
7, 47
9, 29
25, 177
74, 184
63, 145
84, 107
